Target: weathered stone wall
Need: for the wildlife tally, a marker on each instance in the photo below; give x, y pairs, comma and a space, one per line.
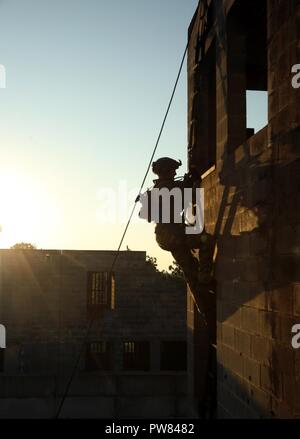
252, 206
43, 305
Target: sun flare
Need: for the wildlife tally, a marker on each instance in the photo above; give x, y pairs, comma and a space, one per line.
20, 210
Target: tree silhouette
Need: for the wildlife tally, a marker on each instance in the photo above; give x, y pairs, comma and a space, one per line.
152, 262
23, 246
175, 270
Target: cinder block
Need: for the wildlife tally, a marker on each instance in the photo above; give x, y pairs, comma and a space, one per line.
282, 299
260, 300
261, 350
261, 402
242, 342
297, 298
271, 381
235, 362
291, 392
231, 314
240, 387
259, 242
283, 358
270, 325
250, 270
251, 320
281, 410
251, 371
227, 291
228, 335
242, 292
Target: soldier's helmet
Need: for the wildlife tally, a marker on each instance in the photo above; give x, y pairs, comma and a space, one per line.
164, 165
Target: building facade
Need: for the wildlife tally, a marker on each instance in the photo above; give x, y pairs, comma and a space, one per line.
252, 203
130, 324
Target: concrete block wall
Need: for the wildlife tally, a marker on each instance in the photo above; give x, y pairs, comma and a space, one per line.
252, 206
43, 304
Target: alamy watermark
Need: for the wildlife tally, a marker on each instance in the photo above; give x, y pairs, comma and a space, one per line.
2, 337
296, 337
175, 206
2, 76
296, 77
157, 205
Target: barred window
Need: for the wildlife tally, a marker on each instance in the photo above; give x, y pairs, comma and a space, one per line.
98, 356
100, 292
113, 292
136, 355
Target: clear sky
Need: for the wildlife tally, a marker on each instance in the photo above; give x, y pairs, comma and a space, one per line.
88, 82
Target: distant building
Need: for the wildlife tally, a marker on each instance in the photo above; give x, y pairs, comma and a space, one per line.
134, 359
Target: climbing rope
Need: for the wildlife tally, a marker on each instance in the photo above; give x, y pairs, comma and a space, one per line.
74, 370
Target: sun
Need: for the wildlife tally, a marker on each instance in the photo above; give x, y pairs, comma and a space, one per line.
19, 210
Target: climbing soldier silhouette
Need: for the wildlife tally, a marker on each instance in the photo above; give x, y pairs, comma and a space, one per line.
192, 251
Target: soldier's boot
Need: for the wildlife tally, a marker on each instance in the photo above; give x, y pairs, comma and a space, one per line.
190, 267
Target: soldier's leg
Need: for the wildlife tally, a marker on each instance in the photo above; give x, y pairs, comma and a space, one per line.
205, 243
173, 238
190, 267
188, 263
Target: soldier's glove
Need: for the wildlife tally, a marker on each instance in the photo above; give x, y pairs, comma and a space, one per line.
188, 180
195, 174
192, 178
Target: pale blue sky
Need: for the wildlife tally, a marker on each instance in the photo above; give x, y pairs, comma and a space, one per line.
88, 82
